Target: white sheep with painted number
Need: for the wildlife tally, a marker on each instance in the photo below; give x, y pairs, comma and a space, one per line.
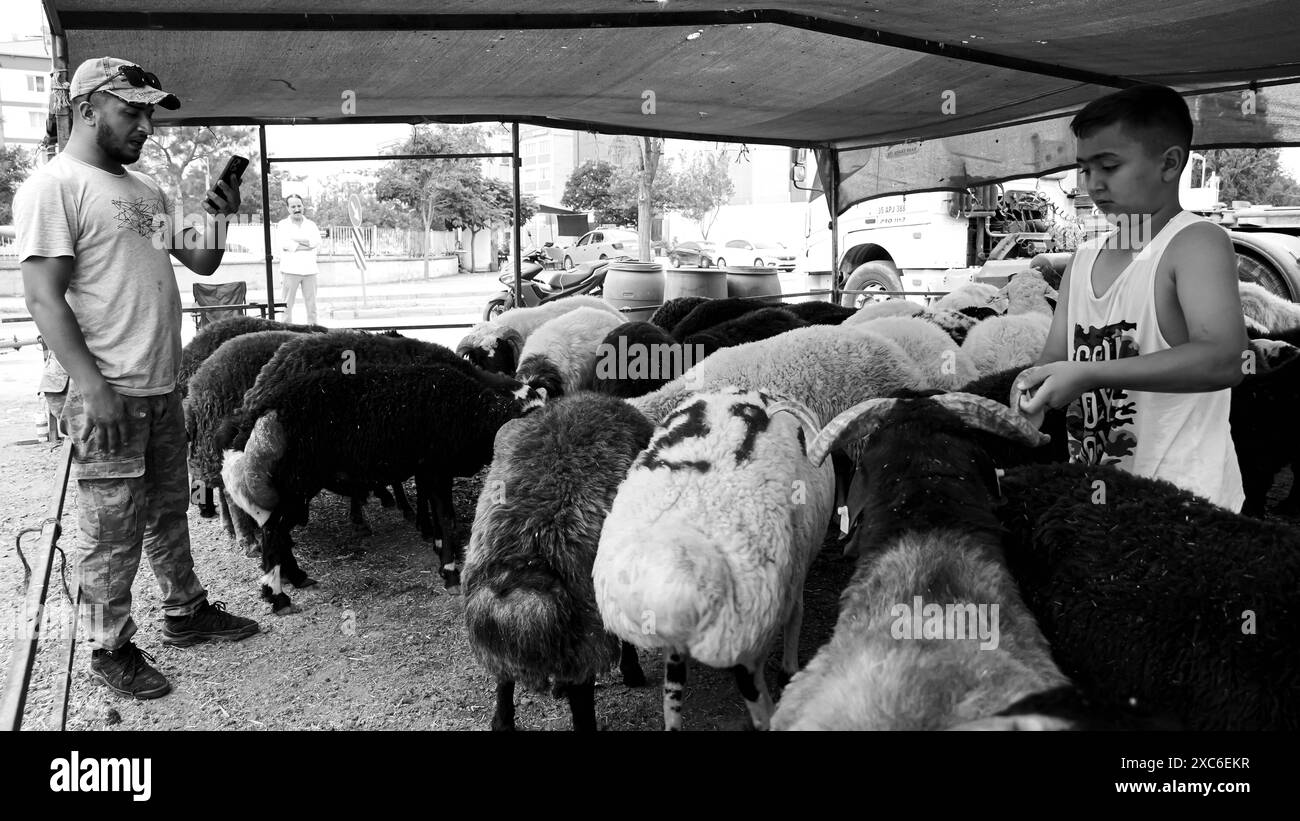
706, 547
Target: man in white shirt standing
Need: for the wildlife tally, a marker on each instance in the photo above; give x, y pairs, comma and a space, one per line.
299, 239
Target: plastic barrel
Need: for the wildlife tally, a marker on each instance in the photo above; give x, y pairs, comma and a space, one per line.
634, 285
754, 282
710, 283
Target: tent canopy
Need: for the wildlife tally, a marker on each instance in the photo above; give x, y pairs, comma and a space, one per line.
841, 75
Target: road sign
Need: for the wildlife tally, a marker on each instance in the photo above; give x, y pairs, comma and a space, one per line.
354, 210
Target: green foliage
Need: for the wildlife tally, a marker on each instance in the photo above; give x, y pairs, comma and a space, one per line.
1253, 174
185, 161
703, 187
15, 165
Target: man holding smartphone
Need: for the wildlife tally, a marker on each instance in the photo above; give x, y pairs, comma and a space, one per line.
299, 239
100, 286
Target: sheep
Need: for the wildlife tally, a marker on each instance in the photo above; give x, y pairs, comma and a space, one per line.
906, 653
967, 295
667, 315
820, 313
496, 345
439, 423
215, 390
1264, 432
350, 352
1025, 292
1008, 452
1152, 594
208, 340
979, 314
530, 609
636, 358
1273, 312
1004, 342
751, 327
707, 544
560, 356
953, 323
827, 368
714, 312
942, 363
882, 309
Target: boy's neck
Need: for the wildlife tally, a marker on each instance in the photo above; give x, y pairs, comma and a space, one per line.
1159, 218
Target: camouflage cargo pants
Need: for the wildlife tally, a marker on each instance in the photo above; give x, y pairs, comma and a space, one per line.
135, 497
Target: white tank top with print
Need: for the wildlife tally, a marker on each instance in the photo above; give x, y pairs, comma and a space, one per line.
1183, 438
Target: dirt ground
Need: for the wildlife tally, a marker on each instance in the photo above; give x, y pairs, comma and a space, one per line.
378, 644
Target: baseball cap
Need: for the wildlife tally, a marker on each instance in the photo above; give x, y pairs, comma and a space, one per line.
105, 74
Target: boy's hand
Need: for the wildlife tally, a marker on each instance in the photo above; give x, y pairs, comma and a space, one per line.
1053, 385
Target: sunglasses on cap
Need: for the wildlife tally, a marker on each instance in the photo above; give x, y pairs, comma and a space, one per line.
136, 76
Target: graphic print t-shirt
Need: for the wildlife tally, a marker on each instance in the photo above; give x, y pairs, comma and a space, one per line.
123, 288
1183, 438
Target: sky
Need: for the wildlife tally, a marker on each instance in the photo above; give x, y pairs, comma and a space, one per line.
24, 17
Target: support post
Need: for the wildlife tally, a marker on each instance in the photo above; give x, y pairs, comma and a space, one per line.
519, 252
833, 202
266, 222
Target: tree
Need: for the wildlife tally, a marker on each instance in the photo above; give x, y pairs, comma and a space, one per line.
438, 192
1253, 174
185, 161
702, 188
15, 165
590, 188
652, 151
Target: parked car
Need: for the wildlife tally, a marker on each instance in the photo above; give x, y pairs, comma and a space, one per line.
760, 253
694, 254
602, 243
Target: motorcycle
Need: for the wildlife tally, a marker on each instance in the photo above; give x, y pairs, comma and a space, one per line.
540, 286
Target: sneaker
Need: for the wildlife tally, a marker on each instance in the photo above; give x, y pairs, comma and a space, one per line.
210, 622
127, 672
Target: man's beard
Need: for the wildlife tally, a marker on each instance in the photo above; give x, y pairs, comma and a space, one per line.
118, 150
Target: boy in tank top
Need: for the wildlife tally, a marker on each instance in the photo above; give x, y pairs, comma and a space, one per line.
1148, 334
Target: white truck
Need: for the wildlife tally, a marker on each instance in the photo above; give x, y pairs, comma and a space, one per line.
932, 242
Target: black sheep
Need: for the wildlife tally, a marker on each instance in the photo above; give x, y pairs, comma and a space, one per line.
637, 358
322, 433
1007, 453
530, 607
715, 311
667, 316
763, 323
206, 341
1264, 431
1149, 593
820, 313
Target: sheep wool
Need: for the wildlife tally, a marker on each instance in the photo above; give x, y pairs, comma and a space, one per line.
882, 309
943, 364
705, 549
1271, 311
1004, 342
496, 344
561, 355
968, 295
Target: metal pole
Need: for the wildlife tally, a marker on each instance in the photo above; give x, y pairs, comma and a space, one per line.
266, 222
833, 201
14, 698
519, 253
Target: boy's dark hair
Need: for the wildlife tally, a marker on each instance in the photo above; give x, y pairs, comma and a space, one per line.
1154, 115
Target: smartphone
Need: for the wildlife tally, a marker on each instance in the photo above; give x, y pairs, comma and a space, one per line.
233, 172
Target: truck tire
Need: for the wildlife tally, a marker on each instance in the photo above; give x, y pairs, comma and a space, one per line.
1252, 268
870, 276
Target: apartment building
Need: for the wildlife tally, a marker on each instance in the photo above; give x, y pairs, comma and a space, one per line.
24, 91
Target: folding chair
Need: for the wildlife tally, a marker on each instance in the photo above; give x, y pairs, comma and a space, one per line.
225, 293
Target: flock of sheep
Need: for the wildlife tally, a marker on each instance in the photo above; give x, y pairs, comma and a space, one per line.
679, 506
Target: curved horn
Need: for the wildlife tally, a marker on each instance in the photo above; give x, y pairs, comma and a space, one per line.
992, 417
856, 422
807, 418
